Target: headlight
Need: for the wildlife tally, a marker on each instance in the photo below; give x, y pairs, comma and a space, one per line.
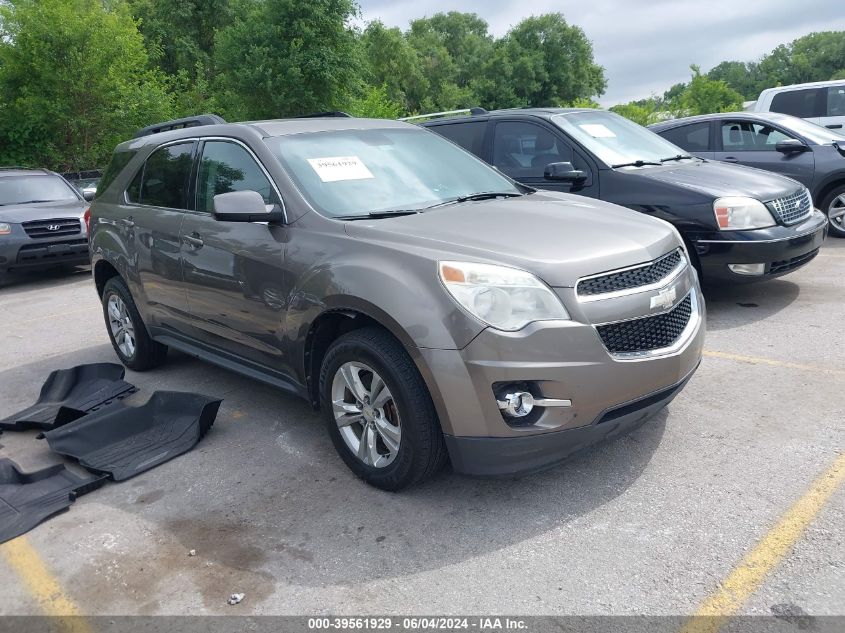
735, 213
505, 298
5, 229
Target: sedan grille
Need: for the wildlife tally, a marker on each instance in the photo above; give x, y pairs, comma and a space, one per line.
53, 228
632, 278
649, 333
792, 209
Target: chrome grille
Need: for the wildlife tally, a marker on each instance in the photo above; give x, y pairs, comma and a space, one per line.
649, 333
631, 278
792, 209
53, 228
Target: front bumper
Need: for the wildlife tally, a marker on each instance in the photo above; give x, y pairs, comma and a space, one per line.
562, 360
18, 251
783, 249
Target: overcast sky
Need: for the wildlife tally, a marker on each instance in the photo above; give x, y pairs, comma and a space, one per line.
646, 46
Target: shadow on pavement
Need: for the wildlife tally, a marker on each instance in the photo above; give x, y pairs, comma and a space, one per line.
734, 306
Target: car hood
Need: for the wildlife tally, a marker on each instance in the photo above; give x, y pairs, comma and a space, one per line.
42, 211
559, 237
715, 179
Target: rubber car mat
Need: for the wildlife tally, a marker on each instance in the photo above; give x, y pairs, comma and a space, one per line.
27, 499
68, 394
123, 441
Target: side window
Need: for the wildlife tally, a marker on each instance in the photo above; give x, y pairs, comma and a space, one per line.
692, 138
469, 135
801, 103
119, 161
133, 191
166, 173
836, 101
745, 136
522, 150
229, 167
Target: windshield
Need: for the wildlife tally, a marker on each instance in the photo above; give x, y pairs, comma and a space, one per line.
812, 132
23, 189
358, 172
614, 139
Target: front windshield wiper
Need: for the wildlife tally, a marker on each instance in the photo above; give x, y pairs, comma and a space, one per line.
677, 157
483, 195
636, 163
390, 213
34, 201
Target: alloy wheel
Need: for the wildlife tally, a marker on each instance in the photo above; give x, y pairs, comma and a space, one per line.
122, 329
366, 414
836, 212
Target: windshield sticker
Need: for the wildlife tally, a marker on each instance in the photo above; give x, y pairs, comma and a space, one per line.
597, 130
335, 168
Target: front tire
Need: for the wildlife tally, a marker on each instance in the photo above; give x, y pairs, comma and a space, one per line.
127, 332
379, 412
834, 206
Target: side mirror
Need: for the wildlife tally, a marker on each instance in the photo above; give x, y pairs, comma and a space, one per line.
89, 194
563, 172
791, 146
244, 206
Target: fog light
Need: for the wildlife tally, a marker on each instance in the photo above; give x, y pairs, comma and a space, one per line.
517, 404
748, 269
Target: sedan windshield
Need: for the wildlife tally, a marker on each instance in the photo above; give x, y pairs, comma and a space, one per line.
27, 189
616, 140
359, 173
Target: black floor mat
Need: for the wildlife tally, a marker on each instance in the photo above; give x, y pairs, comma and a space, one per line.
124, 441
27, 499
68, 394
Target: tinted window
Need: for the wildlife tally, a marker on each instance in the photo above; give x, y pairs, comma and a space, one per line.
469, 135
801, 103
229, 167
749, 137
693, 138
37, 188
836, 101
133, 191
166, 174
522, 150
119, 160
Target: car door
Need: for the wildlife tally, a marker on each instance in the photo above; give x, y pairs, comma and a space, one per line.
753, 143
834, 116
233, 270
522, 149
695, 138
156, 201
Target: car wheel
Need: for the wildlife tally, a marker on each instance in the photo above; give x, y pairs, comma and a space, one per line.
379, 412
127, 331
834, 206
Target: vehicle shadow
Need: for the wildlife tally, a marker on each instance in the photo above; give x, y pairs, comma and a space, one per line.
264, 499
734, 306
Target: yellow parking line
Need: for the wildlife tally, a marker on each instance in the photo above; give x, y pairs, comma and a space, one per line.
42, 585
756, 360
749, 574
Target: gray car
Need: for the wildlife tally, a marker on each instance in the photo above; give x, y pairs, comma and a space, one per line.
811, 154
41, 221
430, 306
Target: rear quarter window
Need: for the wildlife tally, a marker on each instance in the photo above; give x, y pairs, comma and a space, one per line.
805, 104
119, 161
469, 135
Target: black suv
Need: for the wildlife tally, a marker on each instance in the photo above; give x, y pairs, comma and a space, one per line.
741, 224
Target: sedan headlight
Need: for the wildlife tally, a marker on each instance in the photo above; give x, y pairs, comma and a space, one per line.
5, 229
504, 298
736, 213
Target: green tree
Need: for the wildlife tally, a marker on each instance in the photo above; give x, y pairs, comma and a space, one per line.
375, 103
744, 77
545, 62
74, 81
392, 63
283, 57
704, 96
644, 111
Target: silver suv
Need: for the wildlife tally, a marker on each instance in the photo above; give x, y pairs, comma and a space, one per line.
430, 306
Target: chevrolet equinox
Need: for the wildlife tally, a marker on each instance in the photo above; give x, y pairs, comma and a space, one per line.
429, 305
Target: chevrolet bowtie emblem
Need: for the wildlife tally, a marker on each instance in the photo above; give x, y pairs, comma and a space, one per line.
664, 299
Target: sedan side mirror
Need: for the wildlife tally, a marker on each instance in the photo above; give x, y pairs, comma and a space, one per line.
791, 146
89, 194
564, 172
245, 206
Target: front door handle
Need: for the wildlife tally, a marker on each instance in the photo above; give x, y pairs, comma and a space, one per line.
834, 126
730, 159
193, 241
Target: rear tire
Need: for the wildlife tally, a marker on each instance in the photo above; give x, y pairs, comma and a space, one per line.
379, 412
834, 206
127, 332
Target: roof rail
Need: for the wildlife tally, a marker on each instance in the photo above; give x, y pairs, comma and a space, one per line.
178, 124
434, 115
322, 115
11, 167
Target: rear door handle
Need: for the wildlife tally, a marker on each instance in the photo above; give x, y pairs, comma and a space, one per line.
730, 159
193, 240
834, 126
